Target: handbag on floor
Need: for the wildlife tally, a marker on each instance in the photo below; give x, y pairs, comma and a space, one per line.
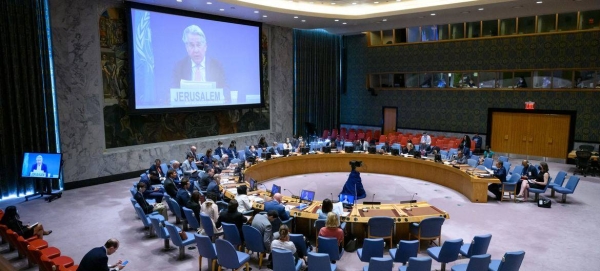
544, 203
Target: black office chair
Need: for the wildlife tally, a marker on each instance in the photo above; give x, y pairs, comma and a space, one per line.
586, 148
583, 161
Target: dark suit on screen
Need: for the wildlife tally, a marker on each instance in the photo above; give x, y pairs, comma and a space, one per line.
214, 73
95, 260
44, 168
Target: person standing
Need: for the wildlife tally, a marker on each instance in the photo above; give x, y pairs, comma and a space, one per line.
97, 258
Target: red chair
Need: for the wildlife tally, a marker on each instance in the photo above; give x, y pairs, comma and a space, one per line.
361, 136
27, 247
360, 131
377, 134
58, 262
3, 229
343, 132
472, 145
382, 138
12, 239
351, 137
334, 133
36, 254
403, 141
392, 140
325, 134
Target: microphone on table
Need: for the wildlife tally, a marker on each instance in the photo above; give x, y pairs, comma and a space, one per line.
331, 197
293, 196
412, 199
372, 200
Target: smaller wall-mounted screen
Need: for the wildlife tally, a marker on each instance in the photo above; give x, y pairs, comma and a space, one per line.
41, 165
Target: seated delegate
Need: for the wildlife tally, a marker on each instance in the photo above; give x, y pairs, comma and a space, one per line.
12, 220
539, 182
232, 216
332, 229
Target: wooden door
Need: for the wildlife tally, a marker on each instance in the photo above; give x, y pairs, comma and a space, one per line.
390, 116
509, 132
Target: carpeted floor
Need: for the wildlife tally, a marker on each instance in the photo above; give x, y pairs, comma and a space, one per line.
85, 218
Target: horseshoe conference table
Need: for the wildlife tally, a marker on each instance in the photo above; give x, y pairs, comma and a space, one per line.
468, 184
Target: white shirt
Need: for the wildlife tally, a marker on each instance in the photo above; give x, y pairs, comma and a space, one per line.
426, 139
244, 203
288, 245
202, 69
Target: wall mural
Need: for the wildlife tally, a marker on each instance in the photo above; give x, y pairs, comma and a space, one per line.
122, 129
465, 110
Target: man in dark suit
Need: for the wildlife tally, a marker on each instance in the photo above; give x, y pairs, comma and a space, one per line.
139, 198
220, 150
151, 192
183, 196
275, 150
251, 153
156, 172
232, 216
206, 179
97, 258
196, 66
39, 165
500, 173
169, 184
276, 205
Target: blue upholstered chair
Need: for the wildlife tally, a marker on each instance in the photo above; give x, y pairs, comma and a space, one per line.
558, 181
330, 246
517, 170
506, 166
475, 157
472, 162
381, 227
288, 222
405, 250
222, 205
371, 248
190, 218
145, 219
157, 223
319, 223
164, 168
510, 187
478, 246
447, 253
176, 239
320, 261
417, 264
444, 154
510, 262
503, 158
232, 235
284, 260
488, 163
176, 209
242, 155
476, 263
429, 229
539, 191
208, 226
207, 250
254, 242
300, 243
379, 264
230, 258
569, 188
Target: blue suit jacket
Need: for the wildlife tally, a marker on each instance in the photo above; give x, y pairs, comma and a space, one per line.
274, 205
95, 260
220, 151
182, 197
44, 168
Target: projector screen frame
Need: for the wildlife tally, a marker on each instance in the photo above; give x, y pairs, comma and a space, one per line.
52, 177
132, 110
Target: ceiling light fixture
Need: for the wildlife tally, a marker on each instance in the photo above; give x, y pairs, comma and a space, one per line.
336, 20
385, 20
222, 9
376, 2
256, 11
353, 3
303, 21
295, 17
539, 2
343, 23
209, 3
432, 14
333, 3
480, 9
264, 16
179, 1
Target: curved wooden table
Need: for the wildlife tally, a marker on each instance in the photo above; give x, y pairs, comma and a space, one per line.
472, 187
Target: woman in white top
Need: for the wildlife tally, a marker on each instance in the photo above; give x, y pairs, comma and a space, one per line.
210, 208
287, 145
242, 199
284, 241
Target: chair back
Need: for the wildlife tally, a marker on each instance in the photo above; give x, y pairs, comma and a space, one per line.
330, 246
583, 156
254, 240
380, 263
320, 261
518, 169
479, 262
161, 231
475, 157
231, 234
488, 162
514, 178
164, 168
419, 264
143, 217
298, 240
132, 191
559, 179
506, 166
479, 245
176, 208
205, 246
207, 224
189, 217
472, 162
450, 250
283, 260
226, 254
319, 223
222, 205
380, 226
406, 249
589, 148
572, 183
288, 222
371, 248
174, 234
511, 261
503, 158
431, 227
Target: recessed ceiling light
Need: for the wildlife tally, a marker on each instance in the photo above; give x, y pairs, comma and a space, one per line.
376, 2
432, 14
295, 17
333, 3
539, 2
465, 12
343, 23
398, 0
303, 20
209, 3
179, 1
336, 20
480, 8
264, 16
222, 9
256, 11
385, 20
353, 3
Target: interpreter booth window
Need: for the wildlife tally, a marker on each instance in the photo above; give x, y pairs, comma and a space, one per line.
443, 32
429, 33
463, 80
526, 25
399, 80
375, 38
505, 80
508, 27
597, 80
522, 80
488, 80
387, 36
473, 29
542, 79
584, 79
387, 80
490, 28
562, 79
440, 80
414, 34
400, 35
546, 23
412, 80
425, 80
457, 31
567, 21
589, 20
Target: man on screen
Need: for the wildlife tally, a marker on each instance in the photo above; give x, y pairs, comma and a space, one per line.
196, 66
39, 165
